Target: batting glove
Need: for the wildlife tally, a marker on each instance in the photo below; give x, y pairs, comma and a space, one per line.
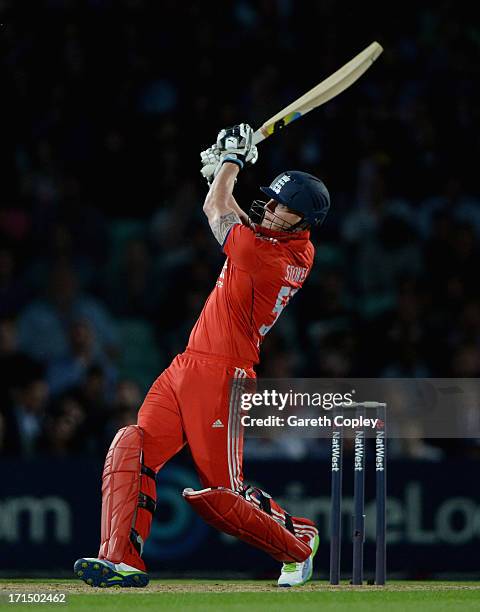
235, 145
210, 159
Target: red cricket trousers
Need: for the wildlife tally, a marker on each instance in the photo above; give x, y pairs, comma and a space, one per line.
195, 401
191, 403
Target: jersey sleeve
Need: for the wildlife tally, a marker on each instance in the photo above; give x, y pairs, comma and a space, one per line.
240, 246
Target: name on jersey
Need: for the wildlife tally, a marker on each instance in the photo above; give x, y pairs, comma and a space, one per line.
296, 274
280, 183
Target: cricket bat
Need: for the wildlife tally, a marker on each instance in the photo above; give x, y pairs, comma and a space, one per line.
321, 93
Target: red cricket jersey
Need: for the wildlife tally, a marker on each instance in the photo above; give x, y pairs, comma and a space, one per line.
263, 270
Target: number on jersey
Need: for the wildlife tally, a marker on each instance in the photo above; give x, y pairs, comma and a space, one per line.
283, 298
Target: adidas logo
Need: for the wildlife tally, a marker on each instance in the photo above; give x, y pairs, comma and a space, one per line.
218, 423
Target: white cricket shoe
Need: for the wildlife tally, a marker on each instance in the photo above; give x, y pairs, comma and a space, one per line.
296, 574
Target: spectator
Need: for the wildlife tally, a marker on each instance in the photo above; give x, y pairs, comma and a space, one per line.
133, 291
127, 401
84, 352
64, 431
24, 416
44, 324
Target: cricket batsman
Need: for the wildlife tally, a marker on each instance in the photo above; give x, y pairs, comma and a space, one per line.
268, 257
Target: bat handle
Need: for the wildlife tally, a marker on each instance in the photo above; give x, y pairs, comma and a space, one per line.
258, 136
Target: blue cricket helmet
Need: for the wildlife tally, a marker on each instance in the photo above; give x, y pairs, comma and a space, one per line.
302, 193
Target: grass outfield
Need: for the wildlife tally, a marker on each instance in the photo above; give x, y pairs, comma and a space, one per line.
213, 595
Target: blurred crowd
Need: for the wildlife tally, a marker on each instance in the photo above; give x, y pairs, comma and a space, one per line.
106, 259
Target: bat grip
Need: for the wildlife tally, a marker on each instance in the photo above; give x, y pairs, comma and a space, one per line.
258, 136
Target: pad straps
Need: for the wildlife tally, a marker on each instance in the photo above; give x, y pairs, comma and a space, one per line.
264, 499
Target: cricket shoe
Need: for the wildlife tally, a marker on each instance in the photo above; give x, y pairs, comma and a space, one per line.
104, 574
296, 574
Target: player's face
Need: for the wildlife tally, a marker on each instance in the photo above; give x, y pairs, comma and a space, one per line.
277, 216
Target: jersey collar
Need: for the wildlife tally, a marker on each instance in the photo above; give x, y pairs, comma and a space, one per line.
279, 235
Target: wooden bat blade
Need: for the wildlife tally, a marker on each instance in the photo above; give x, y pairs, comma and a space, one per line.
321, 93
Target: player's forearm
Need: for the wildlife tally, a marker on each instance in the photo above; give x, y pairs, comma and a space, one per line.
225, 202
220, 206
219, 198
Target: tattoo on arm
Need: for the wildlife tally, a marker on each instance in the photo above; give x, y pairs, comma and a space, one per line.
221, 225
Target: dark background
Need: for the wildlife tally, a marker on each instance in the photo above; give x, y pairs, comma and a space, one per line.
106, 258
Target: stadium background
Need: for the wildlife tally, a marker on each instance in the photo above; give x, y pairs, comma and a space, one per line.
106, 258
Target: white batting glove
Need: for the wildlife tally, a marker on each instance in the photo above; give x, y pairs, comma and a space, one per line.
235, 145
210, 159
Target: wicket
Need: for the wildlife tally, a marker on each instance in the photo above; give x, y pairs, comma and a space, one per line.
359, 497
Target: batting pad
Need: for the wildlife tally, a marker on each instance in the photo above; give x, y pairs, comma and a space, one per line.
128, 499
231, 513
